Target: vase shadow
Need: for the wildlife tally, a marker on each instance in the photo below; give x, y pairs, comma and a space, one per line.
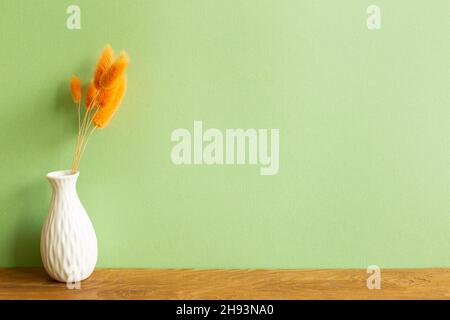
35, 199
44, 131
34, 194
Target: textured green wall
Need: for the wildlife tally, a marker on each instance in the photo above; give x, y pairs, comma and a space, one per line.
364, 119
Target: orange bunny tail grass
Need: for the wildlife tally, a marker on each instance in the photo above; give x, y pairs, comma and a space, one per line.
75, 89
103, 64
104, 115
113, 75
90, 95
105, 97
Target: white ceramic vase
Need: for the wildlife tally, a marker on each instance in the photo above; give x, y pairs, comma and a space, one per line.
68, 241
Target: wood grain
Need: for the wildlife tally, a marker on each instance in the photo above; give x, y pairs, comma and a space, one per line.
33, 283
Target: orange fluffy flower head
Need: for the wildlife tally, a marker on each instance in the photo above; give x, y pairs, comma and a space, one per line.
105, 114
91, 93
104, 63
75, 88
105, 97
112, 76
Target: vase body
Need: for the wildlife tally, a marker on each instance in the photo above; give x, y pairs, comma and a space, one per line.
68, 240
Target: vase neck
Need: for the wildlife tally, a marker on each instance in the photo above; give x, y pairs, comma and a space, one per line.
63, 181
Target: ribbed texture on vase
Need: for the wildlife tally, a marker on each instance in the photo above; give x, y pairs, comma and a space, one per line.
68, 241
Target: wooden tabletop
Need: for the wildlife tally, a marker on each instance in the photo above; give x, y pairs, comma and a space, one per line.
33, 283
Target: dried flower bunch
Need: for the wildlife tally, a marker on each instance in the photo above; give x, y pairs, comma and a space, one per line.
103, 97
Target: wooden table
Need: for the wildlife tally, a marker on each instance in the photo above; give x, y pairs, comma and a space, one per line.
33, 283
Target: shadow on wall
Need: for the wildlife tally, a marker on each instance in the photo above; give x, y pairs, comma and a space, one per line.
50, 136
35, 198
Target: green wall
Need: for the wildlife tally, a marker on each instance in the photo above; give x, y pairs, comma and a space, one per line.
363, 117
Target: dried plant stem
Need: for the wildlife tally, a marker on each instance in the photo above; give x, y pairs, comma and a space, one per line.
79, 142
83, 135
79, 116
85, 119
84, 146
82, 131
83, 141
79, 130
84, 128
